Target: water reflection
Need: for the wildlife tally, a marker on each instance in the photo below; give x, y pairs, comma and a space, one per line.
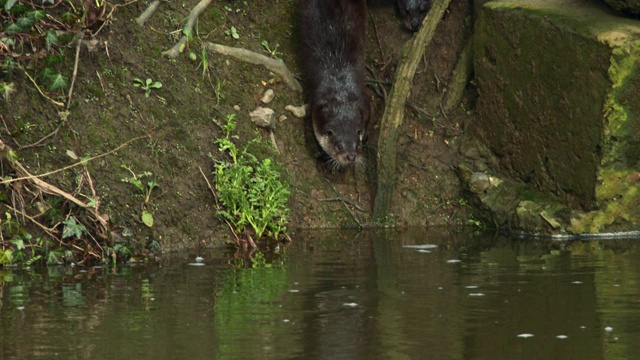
410, 295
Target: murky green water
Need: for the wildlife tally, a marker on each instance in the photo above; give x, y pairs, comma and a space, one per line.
340, 296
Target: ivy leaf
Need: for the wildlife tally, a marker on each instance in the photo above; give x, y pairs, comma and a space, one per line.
147, 218
72, 228
24, 23
19, 243
9, 4
57, 82
36, 15
51, 38
12, 28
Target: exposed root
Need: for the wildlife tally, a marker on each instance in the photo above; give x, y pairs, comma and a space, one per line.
276, 66
393, 116
188, 28
146, 15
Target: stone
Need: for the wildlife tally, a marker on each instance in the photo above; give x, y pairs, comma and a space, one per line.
558, 105
268, 96
263, 117
298, 111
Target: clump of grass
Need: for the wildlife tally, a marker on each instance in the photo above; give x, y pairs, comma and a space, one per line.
250, 193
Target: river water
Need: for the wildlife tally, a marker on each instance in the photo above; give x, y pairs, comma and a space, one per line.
339, 295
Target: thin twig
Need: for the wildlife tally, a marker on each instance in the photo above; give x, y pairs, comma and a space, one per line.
31, 177
57, 103
215, 196
75, 73
37, 143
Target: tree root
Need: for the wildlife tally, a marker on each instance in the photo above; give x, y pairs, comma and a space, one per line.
393, 116
188, 28
148, 13
460, 77
276, 66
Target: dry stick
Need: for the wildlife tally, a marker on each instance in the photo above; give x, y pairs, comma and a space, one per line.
57, 103
394, 112
146, 15
215, 196
49, 231
37, 143
375, 30
75, 73
32, 177
276, 66
193, 16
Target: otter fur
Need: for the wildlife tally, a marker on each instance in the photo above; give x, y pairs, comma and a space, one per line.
332, 34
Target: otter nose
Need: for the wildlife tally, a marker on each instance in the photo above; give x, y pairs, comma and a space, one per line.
351, 157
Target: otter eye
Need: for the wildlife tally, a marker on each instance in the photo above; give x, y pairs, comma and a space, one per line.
329, 133
339, 147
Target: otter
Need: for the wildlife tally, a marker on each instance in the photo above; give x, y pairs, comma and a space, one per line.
413, 12
332, 34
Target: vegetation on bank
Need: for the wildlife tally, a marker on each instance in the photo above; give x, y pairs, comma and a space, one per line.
250, 195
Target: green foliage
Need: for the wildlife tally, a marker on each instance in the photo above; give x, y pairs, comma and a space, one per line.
273, 52
145, 190
30, 41
249, 190
146, 85
73, 228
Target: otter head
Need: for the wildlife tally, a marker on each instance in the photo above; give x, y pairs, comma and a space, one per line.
413, 12
340, 131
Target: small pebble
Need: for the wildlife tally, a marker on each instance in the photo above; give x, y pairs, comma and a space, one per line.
263, 117
268, 96
298, 111
608, 329
561, 337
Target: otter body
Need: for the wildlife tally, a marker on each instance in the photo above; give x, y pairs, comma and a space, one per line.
413, 12
332, 36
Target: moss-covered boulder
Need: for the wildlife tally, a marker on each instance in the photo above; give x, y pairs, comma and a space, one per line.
559, 106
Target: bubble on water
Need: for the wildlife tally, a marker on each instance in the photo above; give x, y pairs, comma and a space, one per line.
561, 337
424, 251
294, 290
286, 320
476, 294
350, 304
576, 282
453, 261
472, 286
199, 259
423, 247
20, 308
525, 335
196, 264
608, 329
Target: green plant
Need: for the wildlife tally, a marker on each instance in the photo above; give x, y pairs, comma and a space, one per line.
273, 52
146, 85
145, 191
249, 190
233, 32
33, 40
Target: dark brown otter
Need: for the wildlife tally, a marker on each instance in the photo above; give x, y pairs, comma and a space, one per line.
332, 36
413, 12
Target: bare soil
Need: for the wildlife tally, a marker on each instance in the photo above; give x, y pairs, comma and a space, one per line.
178, 131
